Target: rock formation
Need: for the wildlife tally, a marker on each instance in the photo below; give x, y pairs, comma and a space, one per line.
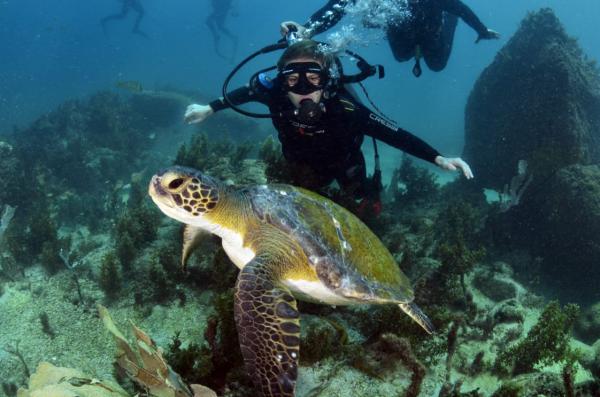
538, 101
538, 104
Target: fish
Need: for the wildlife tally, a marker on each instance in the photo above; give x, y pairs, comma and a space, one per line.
130, 85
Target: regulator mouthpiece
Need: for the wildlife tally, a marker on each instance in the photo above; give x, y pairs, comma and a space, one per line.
309, 111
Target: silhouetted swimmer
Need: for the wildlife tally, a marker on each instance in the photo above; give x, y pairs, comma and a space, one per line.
136, 6
216, 23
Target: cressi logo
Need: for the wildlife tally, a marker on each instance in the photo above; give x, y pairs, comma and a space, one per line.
378, 119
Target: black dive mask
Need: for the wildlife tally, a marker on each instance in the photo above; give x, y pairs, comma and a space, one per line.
303, 85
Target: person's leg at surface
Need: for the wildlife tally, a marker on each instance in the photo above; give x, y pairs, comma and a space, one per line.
220, 24
114, 17
404, 45
402, 42
211, 22
437, 48
139, 9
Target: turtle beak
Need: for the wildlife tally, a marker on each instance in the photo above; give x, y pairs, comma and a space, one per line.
156, 190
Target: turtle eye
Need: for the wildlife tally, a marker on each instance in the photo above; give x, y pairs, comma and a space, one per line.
175, 183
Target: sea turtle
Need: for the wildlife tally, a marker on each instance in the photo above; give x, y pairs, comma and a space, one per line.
289, 243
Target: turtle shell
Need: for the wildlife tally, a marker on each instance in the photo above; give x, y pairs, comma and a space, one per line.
346, 255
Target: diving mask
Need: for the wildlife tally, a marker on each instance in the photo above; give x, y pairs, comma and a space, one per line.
303, 78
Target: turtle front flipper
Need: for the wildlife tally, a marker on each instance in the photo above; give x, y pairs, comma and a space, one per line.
268, 325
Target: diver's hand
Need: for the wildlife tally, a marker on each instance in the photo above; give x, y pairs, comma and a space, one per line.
197, 113
488, 35
454, 164
301, 30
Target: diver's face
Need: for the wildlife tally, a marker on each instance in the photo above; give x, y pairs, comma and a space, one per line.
313, 78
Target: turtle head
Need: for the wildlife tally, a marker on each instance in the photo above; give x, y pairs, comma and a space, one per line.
184, 194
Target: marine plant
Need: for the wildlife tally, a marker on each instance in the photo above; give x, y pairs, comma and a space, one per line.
192, 362
240, 153
331, 335
9, 388
110, 275
138, 223
457, 227
212, 362
71, 267
126, 251
161, 285
545, 344
276, 169
143, 362
383, 355
14, 351
411, 184
46, 327
43, 234
206, 154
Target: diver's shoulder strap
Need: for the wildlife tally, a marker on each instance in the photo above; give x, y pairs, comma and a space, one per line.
347, 101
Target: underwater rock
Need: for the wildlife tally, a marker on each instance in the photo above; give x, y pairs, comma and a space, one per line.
562, 224
587, 327
10, 174
495, 288
538, 101
538, 104
160, 108
532, 385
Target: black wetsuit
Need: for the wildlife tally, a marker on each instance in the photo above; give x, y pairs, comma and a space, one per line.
430, 27
331, 148
134, 5
216, 24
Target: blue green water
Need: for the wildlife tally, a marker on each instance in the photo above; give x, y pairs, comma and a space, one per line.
51, 51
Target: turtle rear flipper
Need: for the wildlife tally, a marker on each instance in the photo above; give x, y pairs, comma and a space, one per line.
417, 314
268, 325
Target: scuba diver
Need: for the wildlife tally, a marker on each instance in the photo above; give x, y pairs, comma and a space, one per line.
216, 24
128, 5
321, 126
427, 32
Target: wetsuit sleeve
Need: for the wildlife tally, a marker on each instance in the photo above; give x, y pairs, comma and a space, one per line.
327, 16
461, 10
395, 136
255, 92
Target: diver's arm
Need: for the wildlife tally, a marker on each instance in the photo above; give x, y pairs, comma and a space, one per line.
395, 136
238, 96
326, 17
398, 138
196, 113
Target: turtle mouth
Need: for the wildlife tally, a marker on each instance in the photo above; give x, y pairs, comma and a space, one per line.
158, 193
